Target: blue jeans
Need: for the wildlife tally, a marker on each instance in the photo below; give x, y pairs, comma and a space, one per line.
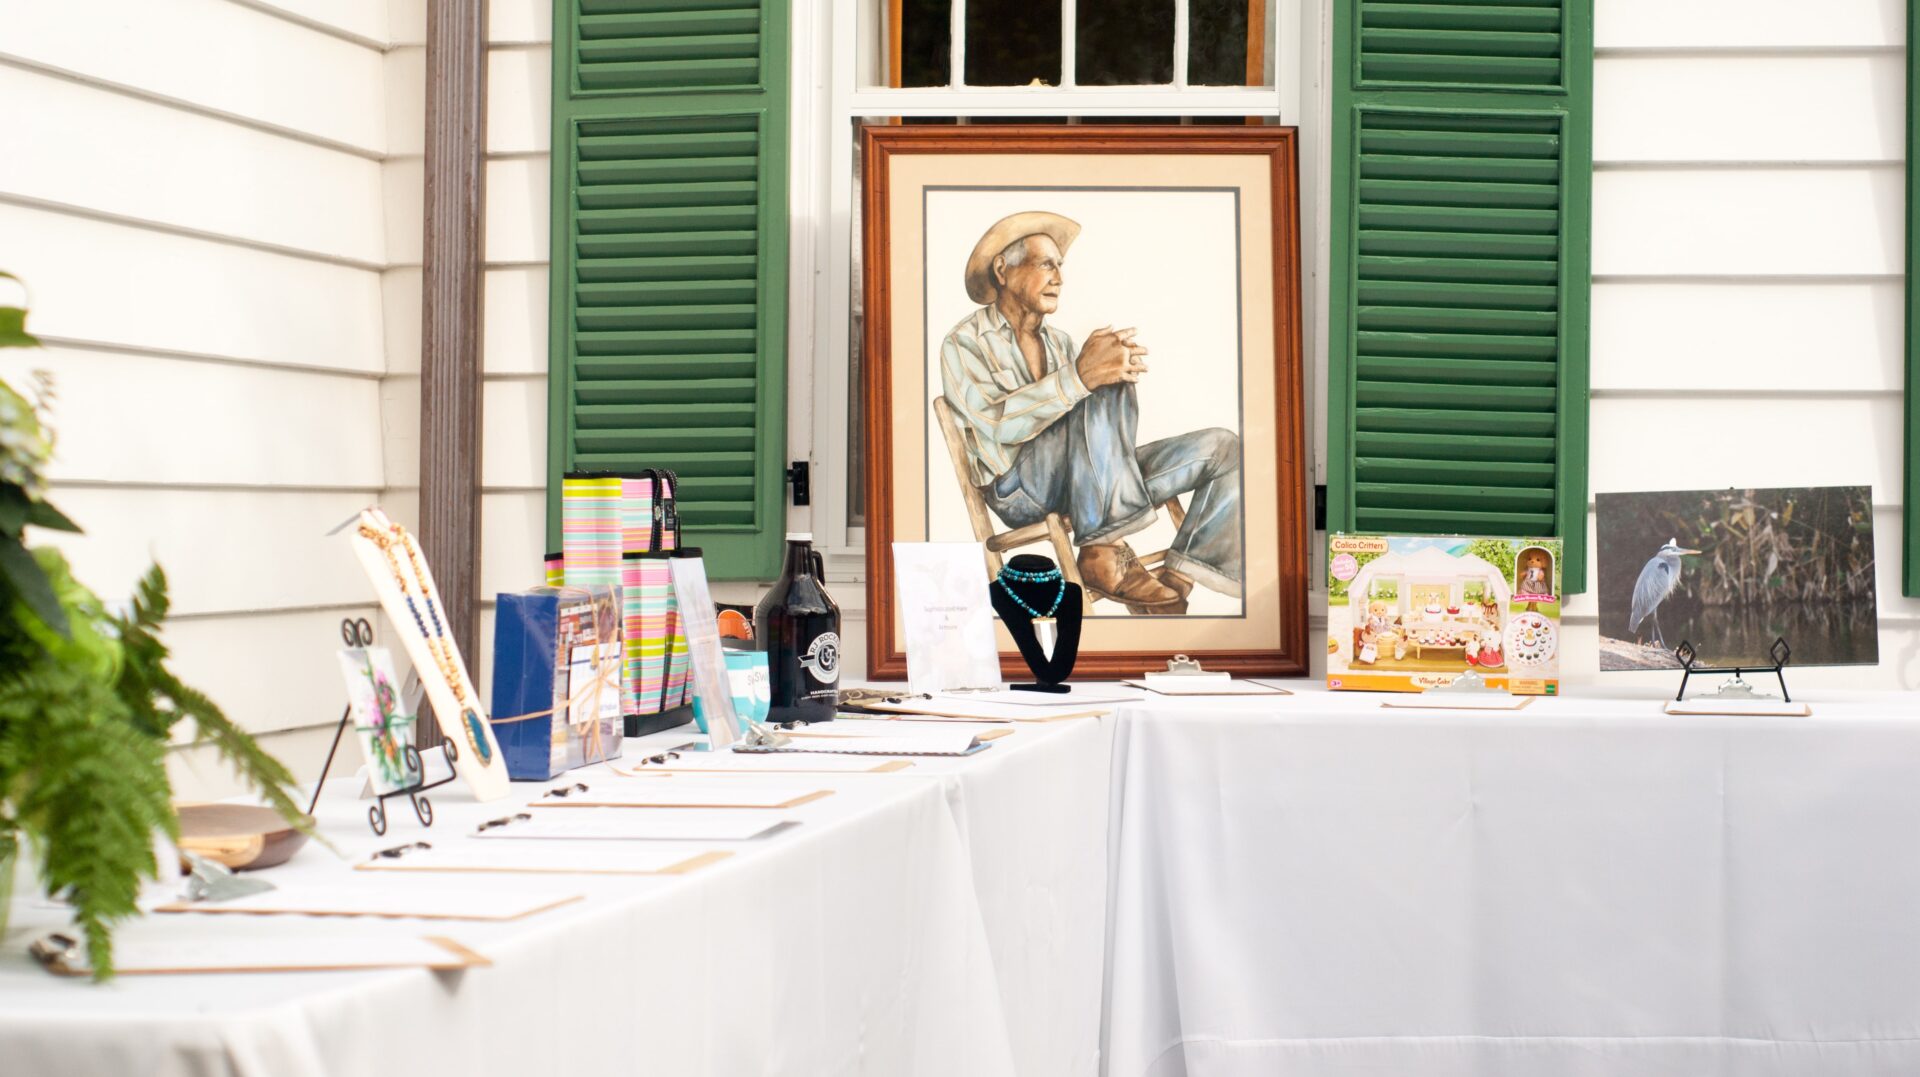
1086, 468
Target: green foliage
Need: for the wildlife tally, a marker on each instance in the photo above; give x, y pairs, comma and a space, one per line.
87, 704
25, 449
88, 788
1497, 552
158, 700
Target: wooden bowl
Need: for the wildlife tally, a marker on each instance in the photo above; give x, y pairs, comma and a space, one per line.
241, 836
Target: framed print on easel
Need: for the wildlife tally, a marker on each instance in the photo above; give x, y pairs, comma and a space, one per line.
1084, 343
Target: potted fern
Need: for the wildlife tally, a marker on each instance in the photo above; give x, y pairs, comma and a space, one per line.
87, 704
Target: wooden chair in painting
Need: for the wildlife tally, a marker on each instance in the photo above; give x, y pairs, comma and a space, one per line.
1055, 529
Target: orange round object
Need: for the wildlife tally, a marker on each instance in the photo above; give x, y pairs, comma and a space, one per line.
734, 625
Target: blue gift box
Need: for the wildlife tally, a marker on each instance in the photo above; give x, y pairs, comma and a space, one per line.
545, 644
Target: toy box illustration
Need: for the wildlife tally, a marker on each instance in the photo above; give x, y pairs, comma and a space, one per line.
1410, 612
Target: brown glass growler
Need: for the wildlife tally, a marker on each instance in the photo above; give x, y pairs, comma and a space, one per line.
799, 625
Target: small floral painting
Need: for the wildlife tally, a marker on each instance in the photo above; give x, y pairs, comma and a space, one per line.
380, 721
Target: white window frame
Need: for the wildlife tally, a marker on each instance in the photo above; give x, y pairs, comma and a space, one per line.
836, 81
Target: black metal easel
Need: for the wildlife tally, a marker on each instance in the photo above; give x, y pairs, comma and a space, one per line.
357, 632
1690, 665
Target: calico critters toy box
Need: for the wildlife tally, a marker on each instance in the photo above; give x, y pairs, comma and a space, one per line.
1410, 612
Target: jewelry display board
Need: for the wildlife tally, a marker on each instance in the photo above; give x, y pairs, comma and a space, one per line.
403, 583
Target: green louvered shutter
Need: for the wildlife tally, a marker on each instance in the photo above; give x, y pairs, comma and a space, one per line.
669, 273
1462, 166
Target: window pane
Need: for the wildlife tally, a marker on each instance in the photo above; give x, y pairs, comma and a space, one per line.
926, 42
1123, 42
1013, 42
1217, 39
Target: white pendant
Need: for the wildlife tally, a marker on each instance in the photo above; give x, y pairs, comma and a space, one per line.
1047, 631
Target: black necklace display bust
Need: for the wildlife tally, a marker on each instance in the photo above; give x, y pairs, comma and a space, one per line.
1031, 588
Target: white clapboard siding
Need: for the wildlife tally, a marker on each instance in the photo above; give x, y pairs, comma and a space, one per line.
406, 23
406, 88
519, 99
1689, 107
222, 57
515, 419
1707, 441
301, 687
225, 551
516, 320
401, 300
107, 153
198, 774
519, 122
1735, 24
102, 282
1703, 336
1748, 221
1748, 307
400, 409
204, 198
517, 210
511, 557
405, 181
355, 20
519, 21
232, 426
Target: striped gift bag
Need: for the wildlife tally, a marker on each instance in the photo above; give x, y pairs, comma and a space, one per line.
648, 593
650, 530
556, 569
590, 536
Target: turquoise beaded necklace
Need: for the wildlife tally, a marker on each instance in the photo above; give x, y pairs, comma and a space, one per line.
1051, 575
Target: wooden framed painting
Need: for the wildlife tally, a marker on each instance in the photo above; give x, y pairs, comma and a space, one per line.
1084, 343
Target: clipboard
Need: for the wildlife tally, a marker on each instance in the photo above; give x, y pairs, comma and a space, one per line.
955, 710
65, 955
671, 824
566, 858
1204, 686
762, 764
984, 735
942, 745
338, 901
677, 796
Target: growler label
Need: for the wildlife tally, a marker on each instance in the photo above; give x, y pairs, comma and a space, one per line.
823, 658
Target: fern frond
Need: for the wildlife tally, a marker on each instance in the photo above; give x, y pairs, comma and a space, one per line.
91, 788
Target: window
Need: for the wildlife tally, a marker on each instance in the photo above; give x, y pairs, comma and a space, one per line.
1103, 43
1457, 348
1075, 61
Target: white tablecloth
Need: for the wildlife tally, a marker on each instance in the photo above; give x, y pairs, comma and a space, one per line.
1304, 885
947, 920
1317, 885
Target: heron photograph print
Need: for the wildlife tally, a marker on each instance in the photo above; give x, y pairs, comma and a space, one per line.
1084, 346
1730, 571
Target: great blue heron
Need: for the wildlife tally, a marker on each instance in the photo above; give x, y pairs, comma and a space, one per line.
1657, 580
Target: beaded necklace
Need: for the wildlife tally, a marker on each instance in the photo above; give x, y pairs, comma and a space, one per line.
1052, 575
1045, 628
438, 645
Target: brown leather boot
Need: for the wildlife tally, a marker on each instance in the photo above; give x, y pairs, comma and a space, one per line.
1110, 570
1181, 586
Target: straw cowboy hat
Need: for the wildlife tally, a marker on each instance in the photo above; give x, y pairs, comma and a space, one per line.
980, 286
